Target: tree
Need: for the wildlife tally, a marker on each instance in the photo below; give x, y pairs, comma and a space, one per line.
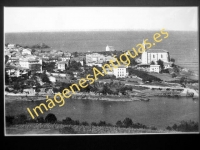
133, 62
45, 78
174, 75
183, 81
127, 122
172, 60
40, 120
161, 63
119, 123
6, 78
152, 63
50, 118
6, 59
48, 66
20, 119
75, 54
68, 120
84, 62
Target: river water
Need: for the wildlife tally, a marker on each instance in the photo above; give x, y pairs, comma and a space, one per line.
159, 111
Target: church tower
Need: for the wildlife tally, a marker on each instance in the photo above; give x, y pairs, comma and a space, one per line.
144, 54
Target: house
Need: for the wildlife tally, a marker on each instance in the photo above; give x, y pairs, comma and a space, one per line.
149, 68
64, 58
108, 58
26, 51
78, 59
13, 59
32, 63
94, 64
167, 65
61, 65
11, 46
67, 54
94, 58
29, 92
120, 72
155, 68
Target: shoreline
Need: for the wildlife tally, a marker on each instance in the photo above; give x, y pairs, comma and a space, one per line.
117, 98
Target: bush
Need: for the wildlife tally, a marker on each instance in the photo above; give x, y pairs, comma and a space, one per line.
138, 125
67, 130
68, 120
85, 123
185, 126
127, 122
50, 118
20, 119
169, 128
40, 120
119, 124
102, 123
94, 124
153, 128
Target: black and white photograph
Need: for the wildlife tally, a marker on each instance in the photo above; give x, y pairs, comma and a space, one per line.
100, 70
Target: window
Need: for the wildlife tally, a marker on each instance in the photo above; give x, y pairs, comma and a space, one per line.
153, 56
161, 56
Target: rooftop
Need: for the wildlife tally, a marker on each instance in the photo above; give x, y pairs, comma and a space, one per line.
62, 62
157, 51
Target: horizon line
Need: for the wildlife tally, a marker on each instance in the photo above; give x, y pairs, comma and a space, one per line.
97, 31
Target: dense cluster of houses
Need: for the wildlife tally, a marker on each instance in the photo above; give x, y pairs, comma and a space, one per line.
22, 59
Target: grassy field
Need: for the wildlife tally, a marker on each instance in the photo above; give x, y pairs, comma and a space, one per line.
163, 76
46, 128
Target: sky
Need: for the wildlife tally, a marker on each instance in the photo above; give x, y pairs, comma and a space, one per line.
45, 19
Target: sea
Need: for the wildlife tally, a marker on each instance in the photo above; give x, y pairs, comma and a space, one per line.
159, 111
182, 45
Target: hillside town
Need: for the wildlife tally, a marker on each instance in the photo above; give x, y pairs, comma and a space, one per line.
39, 70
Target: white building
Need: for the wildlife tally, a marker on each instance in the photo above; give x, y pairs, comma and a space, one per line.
94, 58
110, 48
149, 68
31, 63
26, 51
11, 46
94, 64
155, 68
61, 65
65, 58
154, 55
120, 72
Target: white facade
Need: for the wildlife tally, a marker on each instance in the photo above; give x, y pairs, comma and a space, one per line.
61, 66
27, 62
94, 64
52, 79
26, 51
110, 48
155, 68
154, 55
10, 46
149, 68
95, 58
65, 58
120, 72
